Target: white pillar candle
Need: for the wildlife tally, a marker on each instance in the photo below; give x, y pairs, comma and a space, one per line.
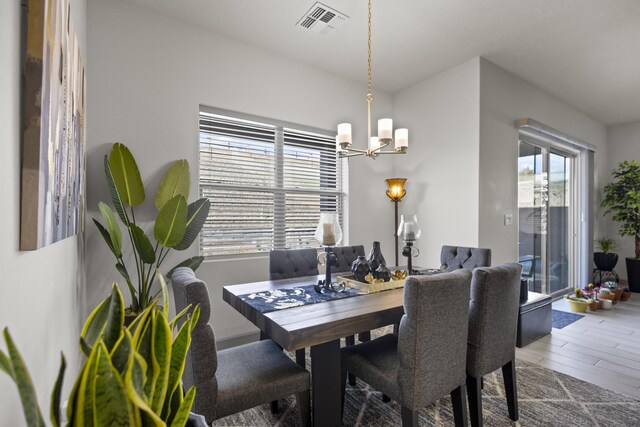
402, 138
385, 128
328, 235
344, 133
409, 232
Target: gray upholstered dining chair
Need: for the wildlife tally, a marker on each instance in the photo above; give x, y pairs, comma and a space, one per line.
346, 255
238, 378
427, 358
288, 263
454, 257
493, 320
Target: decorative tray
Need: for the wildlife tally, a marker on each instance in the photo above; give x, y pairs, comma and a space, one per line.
369, 288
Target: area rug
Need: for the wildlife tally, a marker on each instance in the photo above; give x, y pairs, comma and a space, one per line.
560, 319
546, 398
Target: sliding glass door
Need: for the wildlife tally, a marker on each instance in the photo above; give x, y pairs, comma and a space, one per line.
547, 217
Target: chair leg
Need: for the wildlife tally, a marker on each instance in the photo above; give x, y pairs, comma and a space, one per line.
343, 385
474, 391
510, 388
409, 417
459, 404
274, 407
350, 340
301, 357
303, 400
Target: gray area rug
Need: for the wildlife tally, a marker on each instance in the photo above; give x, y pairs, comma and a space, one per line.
546, 398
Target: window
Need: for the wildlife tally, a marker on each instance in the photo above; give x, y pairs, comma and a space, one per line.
267, 182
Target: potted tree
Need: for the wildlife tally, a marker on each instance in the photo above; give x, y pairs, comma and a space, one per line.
622, 200
605, 260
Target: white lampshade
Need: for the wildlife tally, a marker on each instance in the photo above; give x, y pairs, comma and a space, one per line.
385, 129
402, 138
344, 133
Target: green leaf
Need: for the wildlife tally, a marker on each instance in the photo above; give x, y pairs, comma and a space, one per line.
162, 355
111, 406
173, 405
134, 300
126, 175
54, 411
193, 263
114, 229
142, 244
84, 406
133, 377
165, 294
197, 213
94, 326
171, 222
73, 397
180, 420
179, 316
106, 236
5, 365
179, 350
174, 183
27, 391
115, 196
115, 319
121, 353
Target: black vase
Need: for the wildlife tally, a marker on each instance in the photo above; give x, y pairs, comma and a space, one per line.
605, 261
382, 272
360, 268
633, 274
375, 257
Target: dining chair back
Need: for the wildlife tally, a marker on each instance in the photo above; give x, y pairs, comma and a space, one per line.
493, 322
289, 263
455, 257
239, 378
346, 255
427, 358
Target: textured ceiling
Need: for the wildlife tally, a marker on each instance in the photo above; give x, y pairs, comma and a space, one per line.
585, 52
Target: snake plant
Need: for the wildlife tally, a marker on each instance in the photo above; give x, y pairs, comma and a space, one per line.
131, 377
176, 226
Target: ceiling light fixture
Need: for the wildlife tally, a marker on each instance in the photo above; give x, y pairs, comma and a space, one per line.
376, 144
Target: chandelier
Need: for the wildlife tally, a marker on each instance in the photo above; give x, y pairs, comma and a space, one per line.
376, 144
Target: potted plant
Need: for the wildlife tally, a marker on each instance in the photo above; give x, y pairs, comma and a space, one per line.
176, 225
605, 260
131, 376
622, 200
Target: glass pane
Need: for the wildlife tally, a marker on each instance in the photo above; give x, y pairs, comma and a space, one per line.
559, 231
531, 214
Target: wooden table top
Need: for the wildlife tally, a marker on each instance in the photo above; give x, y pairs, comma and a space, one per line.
312, 324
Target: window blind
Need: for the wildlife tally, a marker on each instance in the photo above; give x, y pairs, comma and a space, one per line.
267, 184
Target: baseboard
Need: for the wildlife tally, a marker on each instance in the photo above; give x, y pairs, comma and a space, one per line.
237, 340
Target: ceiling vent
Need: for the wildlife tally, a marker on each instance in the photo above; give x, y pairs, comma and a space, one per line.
322, 19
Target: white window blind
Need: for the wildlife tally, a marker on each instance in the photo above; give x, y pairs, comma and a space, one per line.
267, 184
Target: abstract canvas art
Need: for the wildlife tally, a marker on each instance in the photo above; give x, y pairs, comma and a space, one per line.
53, 150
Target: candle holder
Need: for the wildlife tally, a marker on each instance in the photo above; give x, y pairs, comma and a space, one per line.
328, 234
410, 231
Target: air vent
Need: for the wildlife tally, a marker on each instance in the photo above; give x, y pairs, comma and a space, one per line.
321, 19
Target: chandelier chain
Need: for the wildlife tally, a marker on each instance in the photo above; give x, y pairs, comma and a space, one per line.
369, 95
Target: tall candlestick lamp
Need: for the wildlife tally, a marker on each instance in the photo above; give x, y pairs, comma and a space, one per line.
396, 192
328, 234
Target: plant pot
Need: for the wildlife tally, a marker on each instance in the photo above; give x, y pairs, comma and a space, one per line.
617, 293
609, 297
578, 305
633, 274
625, 296
594, 305
605, 261
606, 304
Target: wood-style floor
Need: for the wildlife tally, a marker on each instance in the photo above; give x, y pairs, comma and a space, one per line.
602, 348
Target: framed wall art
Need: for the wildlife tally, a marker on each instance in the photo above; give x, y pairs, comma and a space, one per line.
53, 145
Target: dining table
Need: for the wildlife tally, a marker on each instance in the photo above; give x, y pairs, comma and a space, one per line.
320, 327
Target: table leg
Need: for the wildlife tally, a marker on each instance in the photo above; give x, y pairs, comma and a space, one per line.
325, 384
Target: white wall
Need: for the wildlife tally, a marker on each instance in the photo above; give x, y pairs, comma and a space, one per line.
40, 291
441, 167
150, 73
504, 98
623, 144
